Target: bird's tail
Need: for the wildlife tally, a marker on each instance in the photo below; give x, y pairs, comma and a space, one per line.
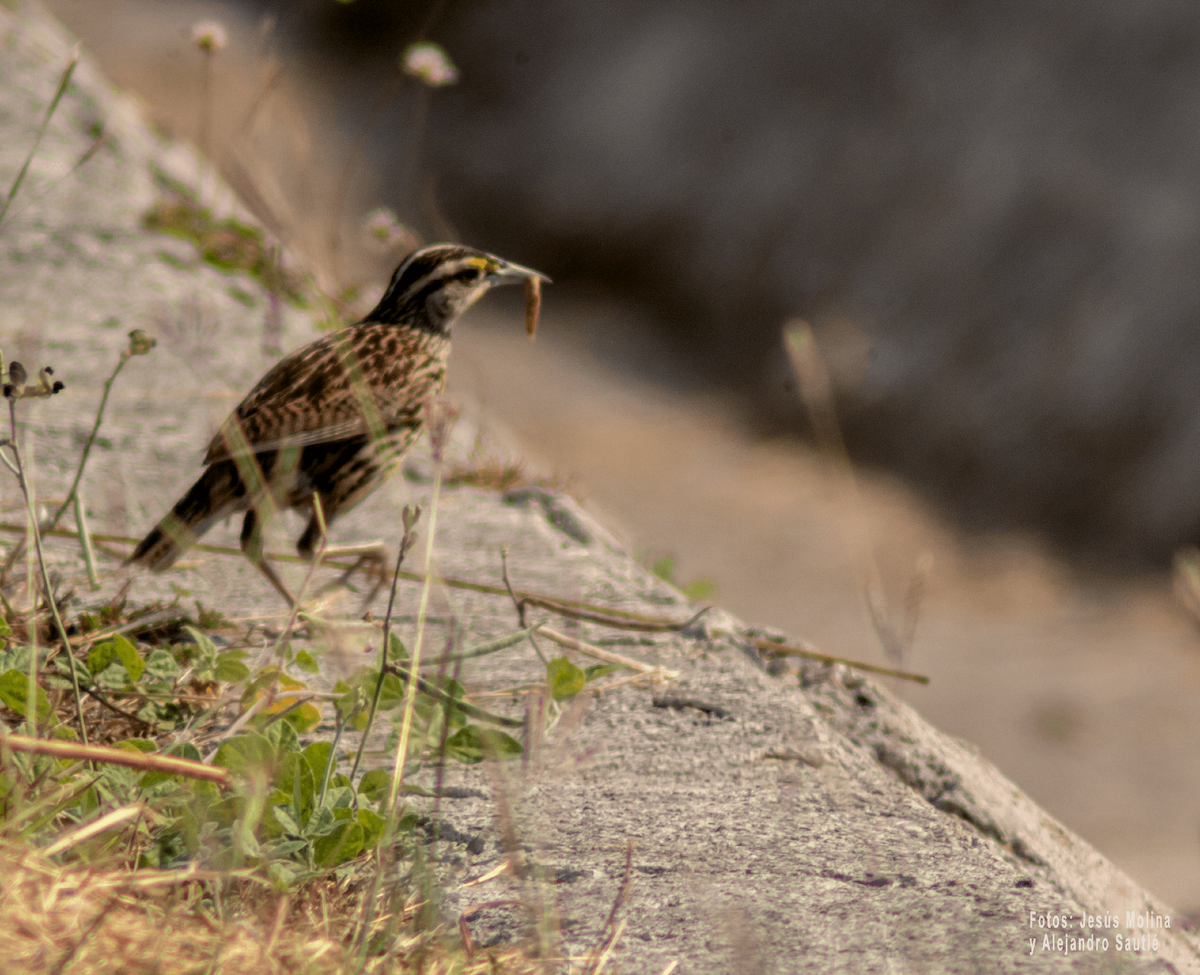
216, 495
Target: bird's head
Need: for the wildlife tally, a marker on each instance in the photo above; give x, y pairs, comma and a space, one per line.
434, 285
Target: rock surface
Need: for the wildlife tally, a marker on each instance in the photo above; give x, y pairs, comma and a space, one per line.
807, 821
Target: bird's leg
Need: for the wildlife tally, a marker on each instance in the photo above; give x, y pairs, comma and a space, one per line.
252, 548
372, 556
372, 559
366, 551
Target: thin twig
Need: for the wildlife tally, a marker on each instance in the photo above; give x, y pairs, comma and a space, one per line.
579, 646
789, 651
87, 446
519, 604
485, 649
432, 690
143, 761
609, 933
70, 954
48, 590
97, 144
409, 518
330, 759
92, 692
58, 93
139, 344
816, 388
85, 539
576, 609
410, 697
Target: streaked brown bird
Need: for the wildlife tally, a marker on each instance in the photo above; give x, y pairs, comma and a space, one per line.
334, 419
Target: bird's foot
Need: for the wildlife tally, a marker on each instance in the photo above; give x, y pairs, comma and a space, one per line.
372, 559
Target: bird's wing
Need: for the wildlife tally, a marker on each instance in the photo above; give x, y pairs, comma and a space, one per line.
367, 377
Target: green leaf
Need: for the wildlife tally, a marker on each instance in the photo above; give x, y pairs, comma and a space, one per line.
283, 736
340, 844
317, 755
14, 691
373, 825
14, 688
264, 678
286, 823
136, 745
306, 662
391, 693
285, 848
596, 671
396, 649
127, 652
100, 656
338, 797
182, 750
297, 783
15, 658
375, 785
185, 749
205, 647
162, 665
246, 753
282, 875
353, 698
565, 679
304, 718
230, 668
472, 744
429, 708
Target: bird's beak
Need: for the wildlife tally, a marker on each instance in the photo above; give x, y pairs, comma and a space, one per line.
509, 273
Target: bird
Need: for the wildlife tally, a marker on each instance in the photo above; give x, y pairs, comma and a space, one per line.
331, 421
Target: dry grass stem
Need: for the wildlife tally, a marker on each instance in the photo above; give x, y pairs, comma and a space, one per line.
785, 650
597, 653
142, 761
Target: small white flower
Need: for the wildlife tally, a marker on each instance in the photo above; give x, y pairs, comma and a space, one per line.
384, 229
429, 62
209, 36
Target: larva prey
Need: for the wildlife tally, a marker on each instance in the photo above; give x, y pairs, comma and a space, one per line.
533, 303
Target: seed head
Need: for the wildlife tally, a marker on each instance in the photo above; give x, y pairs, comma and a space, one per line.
140, 343
209, 36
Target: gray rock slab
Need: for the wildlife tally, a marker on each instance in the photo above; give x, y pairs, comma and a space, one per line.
752, 823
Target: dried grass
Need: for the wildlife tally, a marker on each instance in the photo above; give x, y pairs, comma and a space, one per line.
56, 919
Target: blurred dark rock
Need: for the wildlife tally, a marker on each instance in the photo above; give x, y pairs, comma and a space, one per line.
1004, 197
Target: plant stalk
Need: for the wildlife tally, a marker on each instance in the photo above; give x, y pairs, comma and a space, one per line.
45, 578
410, 696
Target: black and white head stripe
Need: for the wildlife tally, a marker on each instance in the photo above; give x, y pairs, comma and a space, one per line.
434, 285
437, 263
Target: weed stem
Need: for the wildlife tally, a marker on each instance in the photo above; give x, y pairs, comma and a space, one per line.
87, 447
59, 92
31, 701
410, 516
410, 697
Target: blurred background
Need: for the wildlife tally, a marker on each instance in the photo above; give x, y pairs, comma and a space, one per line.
989, 214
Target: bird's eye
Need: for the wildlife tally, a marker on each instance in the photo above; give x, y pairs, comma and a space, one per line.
471, 274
